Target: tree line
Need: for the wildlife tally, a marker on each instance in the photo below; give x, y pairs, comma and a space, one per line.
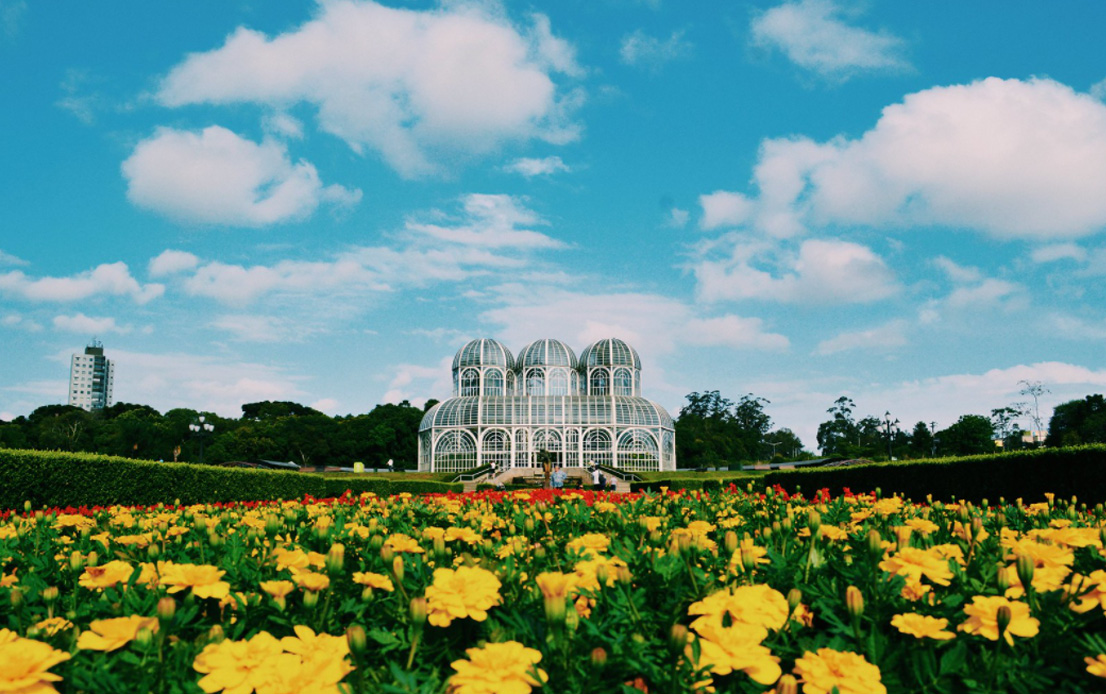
714, 431
280, 430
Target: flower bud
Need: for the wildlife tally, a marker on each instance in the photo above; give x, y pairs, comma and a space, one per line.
153, 551
310, 599
679, 637
854, 601
602, 575
144, 637
555, 609
1002, 618
272, 524
730, 542
439, 546
387, 553
787, 523
902, 535
875, 542
748, 559
357, 639
528, 524
216, 634
50, 594
598, 657
376, 541
27, 507
335, 558
16, 597
572, 620
1025, 570
622, 575
977, 528
814, 522
787, 685
655, 537
766, 532
166, 608
540, 552
794, 598
418, 611
92, 558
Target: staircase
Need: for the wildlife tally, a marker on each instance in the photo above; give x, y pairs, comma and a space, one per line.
509, 475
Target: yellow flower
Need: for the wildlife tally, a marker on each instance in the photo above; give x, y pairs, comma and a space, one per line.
310, 646
554, 584
277, 589
9, 580
52, 626
498, 668
737, 648
106, 575
73, 520
371, 580
1091, 591
467, 591
983, 620
203, 579
110, 634
140, 540
757, 604
309, 580
402, 543
587, 571
239, 667
1096, 666
25, 665
915, 563
589, 544
466, 535
922, 526
848, 672
922, 626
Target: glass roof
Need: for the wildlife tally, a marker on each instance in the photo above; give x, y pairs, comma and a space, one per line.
483, 352
546, 352
567, 410
610, 351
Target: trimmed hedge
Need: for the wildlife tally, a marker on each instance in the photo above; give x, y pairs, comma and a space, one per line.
55, 478
1074, 471
706, 484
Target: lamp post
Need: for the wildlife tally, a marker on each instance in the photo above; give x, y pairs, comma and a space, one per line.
933, 438
201, 430
889, 424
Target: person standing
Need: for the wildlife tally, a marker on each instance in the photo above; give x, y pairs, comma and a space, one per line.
558, 478
597, 481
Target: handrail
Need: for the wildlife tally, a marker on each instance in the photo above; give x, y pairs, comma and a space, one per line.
474, 475
624, 475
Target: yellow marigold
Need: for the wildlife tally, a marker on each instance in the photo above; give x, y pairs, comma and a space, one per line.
309, 580
554, 584
376, 581
848, 672
587, 571
399, 542
922, 526
588, 544
1045, 580
110, 634
1089, 591
106, 575
922, 626
757, 604
310, 646
239, 667
290, 558
203, 579
914, 563
498, 668
25, 665
651, 523
1042, 554
467, 591
887, 507
277, 589
737, 648
73, 520
1097, 665
140, 540
466, 535
432, 532
1068, 536
51, 627
983, 620
8, 580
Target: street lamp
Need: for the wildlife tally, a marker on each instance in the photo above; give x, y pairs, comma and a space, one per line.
201, 430
933, 438
889, 424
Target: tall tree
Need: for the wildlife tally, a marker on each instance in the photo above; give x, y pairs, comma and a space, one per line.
972, 434
835, 436
1078, 421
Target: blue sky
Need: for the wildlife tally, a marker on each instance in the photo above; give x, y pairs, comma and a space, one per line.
902, 203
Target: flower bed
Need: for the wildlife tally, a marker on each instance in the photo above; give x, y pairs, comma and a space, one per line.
509, 593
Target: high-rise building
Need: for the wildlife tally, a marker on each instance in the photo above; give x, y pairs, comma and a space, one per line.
91, 378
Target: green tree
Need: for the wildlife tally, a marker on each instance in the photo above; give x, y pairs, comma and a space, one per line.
1078, 421
921, 441
836, 436
972, 434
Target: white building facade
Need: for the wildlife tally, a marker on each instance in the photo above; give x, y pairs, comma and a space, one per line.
504, 410
91, 378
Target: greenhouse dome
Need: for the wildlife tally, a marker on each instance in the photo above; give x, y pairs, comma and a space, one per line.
583, 411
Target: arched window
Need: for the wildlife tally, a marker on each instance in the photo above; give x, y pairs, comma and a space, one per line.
558, 382
535, 382
637, 450
623, 382
600, 383
495, 449
597, 448
522, 448
455, 452
470, 383
493, 382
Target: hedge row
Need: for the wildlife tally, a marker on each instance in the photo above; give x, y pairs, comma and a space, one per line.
54, 478
706, 484
1074, 471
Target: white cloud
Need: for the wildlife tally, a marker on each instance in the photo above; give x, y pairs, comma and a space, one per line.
813, 36
217, 177
417, 384
256, 328
416, 86
80, 323
14, 320
537, 167
822, 272
1076, 328
678, 218
1014, 159
170, 262
1058, 251
957, 273
110, 278
723, 208
732, 331
881, 338
283, 125
1098, 90
489, 221
326, 405
989, 294
640, 48
11, 17
9, 259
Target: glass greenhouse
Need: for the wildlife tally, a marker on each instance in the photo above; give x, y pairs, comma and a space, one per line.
582, 410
